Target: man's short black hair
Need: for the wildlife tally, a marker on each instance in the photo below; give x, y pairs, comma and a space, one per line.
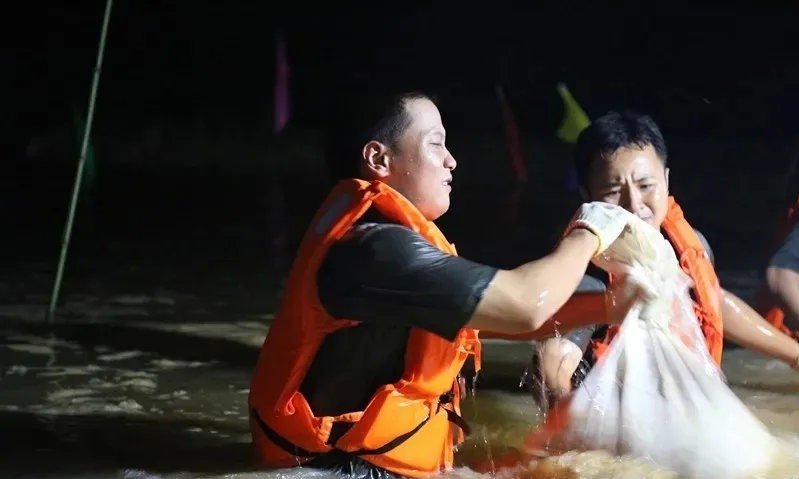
360, 118
613, 131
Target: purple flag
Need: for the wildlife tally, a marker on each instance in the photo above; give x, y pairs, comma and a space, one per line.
282, 99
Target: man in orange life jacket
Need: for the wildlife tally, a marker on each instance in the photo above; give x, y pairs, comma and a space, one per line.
359, 372
621, 159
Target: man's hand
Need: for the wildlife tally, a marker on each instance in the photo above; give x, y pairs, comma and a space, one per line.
606, 221
621, 297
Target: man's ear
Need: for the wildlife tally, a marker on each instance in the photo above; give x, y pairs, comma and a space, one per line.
667, 178
376, 159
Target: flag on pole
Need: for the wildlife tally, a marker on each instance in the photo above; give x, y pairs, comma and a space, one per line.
514, 151
512, 142
574, 118
282, 98
574, 121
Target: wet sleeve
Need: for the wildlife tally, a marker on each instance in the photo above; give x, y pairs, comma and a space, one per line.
390, 274
707, 247
591, 283
787, 256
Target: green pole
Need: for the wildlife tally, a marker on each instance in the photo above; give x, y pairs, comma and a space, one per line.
81, 162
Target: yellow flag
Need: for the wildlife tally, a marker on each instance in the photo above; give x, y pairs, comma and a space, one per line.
574, 118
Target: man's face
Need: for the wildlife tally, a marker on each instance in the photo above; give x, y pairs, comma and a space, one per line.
635, 179
420, 164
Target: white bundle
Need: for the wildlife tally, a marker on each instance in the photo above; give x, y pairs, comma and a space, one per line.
657, 393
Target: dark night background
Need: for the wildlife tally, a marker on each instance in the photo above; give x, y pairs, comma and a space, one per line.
192, 184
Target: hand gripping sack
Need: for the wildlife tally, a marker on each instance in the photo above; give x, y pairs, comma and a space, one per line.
656, 393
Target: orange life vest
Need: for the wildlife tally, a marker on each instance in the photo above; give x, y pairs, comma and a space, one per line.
408, 427
774, 314
695, 262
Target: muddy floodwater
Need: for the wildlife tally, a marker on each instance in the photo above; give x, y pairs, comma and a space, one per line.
121, 389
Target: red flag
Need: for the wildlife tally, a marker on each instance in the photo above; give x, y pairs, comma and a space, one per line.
282, 99
512, 142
